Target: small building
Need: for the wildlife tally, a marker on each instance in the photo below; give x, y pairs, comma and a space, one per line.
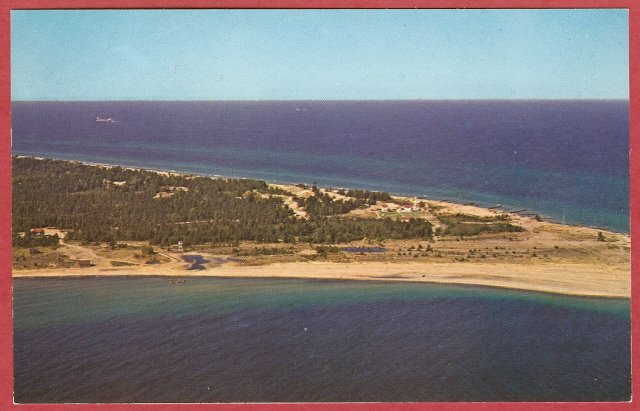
84, 263
38, 232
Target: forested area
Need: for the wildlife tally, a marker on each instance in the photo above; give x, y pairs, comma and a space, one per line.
322, 204
108, 204
30, 240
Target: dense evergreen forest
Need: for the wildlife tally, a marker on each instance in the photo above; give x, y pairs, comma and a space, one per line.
100, 204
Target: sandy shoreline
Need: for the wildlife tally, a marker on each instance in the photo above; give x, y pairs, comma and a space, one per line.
551, 257
568, 279
290, 185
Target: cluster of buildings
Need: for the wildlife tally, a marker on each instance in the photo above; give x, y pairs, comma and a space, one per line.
400, 208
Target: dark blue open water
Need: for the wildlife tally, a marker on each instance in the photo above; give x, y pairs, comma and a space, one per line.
138, 339
557, 158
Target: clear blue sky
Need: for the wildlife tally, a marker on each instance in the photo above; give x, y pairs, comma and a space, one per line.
318, 54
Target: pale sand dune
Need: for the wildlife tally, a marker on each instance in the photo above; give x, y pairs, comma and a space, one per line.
569, 279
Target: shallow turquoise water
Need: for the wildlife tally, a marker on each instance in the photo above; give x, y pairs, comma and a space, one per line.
136, 339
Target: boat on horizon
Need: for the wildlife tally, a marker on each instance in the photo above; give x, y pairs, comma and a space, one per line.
104, 120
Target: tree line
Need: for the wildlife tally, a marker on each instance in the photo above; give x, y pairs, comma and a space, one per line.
100, 204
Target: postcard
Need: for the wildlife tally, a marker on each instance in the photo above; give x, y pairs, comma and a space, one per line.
320, 206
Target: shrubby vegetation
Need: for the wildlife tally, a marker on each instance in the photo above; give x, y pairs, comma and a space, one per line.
98, 204
449, 219
35, 241
468, 225
461, 230
264, 251
328, 249
371, 197
323, 205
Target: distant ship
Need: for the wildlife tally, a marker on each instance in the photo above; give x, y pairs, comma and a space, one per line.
104, 120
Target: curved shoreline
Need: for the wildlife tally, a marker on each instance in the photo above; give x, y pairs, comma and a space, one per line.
437, 198
585, 266
578, 280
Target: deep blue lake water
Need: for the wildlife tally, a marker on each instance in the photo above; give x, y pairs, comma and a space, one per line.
144, 339
563, 159
234, 340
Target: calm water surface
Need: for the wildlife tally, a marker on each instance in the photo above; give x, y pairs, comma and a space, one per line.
564, 159
131, 339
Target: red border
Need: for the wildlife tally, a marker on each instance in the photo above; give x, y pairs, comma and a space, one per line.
6, 325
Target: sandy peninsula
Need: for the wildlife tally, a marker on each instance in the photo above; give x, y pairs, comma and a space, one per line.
546, 256
569, 279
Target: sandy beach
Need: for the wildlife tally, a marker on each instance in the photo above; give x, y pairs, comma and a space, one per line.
546, 256
568, 279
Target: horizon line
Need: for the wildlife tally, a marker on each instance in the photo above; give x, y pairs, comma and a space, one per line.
627, 99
